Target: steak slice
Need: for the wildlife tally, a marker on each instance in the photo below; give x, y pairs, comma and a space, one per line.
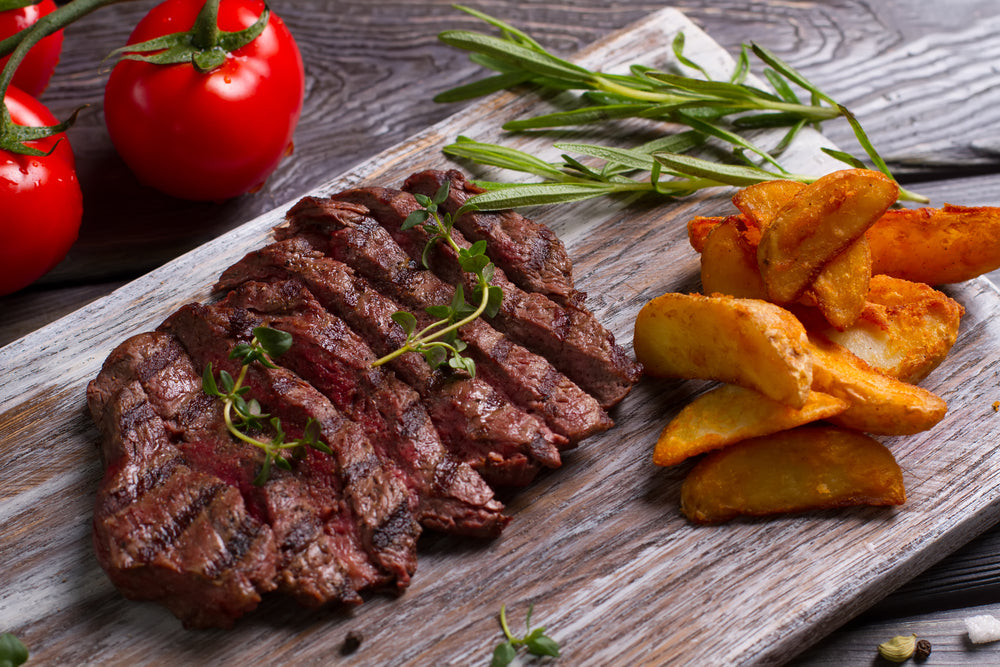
381, 503
161, 530
452, 496
531, 255
571, 338
527, 378
476, 423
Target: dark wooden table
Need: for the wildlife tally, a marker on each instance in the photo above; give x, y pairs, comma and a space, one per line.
921, 75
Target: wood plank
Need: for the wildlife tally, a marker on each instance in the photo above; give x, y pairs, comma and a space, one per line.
598, 546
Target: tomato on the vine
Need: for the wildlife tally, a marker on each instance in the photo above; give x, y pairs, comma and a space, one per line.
33, 74
207, 135
40, 200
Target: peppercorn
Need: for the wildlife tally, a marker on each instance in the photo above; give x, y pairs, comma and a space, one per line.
922, 650
351, 643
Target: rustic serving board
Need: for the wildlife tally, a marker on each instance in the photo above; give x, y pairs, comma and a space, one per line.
615, 573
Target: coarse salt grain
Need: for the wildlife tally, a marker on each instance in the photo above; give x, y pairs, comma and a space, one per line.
983, 629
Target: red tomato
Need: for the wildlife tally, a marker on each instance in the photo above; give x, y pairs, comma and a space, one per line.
34, 72
40, 200
207, 136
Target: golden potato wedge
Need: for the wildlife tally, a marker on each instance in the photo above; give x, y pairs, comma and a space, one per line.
747, 342
816, 225
936, 246
841, 287
729, 264
905, 330
728, 414
879, 404
761, 202
699, 227
807, 468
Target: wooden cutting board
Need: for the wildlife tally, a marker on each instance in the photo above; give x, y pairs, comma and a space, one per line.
616, 574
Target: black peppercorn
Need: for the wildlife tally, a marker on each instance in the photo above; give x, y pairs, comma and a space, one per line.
351, 643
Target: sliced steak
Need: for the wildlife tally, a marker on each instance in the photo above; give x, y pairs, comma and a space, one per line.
527, 378
336, 361
531, 254
381, 503
571, 338
479, 427
162, 530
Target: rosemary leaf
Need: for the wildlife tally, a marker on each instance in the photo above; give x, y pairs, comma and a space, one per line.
483, 87
529, 59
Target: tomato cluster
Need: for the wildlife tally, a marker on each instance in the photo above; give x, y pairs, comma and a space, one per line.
194, 132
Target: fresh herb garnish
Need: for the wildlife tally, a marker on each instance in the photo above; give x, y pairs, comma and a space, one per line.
536, 641
244, 415
439, 341
12, 651
712, 109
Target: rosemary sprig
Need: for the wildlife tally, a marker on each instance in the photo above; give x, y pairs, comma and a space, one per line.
536, 641
439, 341
712, 109
243, 415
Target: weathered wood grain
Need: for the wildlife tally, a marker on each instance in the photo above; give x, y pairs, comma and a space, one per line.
615, 572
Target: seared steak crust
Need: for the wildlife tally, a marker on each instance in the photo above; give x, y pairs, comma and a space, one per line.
504, 444
178, 518
527, 378
336, 361
531, 255
569, 336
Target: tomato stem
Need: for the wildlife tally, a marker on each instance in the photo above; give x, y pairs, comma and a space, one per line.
17, 45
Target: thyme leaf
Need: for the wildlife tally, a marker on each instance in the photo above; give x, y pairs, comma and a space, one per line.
439, 342
245, 416
12, 651
536, 641
712, 110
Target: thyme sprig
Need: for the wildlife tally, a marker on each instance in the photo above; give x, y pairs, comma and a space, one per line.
536, 641
439, 341
243, 415
12, 651
712, 109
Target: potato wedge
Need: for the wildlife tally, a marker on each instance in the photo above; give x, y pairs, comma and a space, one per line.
699, 227
747, 342
816, 225
936, 246
729, 264
807, 468
841, 287
905, 330
879, 404
761, 202
728, 414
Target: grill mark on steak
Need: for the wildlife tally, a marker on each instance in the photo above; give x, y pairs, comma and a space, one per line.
163, 531
374, 490
531, 255
571, 338
486, 432
526, 378
337, 361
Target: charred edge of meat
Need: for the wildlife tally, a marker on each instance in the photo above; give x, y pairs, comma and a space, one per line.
531, 254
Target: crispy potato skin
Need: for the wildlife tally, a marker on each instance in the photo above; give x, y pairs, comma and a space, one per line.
747, 342
728, 414
816, 225
761, 202
729, 263
807, 468
936, 246
841, 287
879, 404
905, 330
